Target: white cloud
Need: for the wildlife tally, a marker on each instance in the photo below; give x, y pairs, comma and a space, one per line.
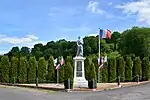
140, 8
93, 6
28, 40
93, 35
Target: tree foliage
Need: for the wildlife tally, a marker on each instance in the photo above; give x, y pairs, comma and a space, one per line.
128, 69
112, 70
121, 68
41, 70
32, 70
14, 69
50, 77
145, 69
137, 70
5, 66
22, 75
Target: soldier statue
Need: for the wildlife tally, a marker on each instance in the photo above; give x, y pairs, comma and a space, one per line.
79, 48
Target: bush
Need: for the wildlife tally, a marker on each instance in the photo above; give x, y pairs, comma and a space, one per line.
68, 74
41, 70
32, 70
128, 69
112, 70
145, 69
137, 70
22, 75
50, 77
121, 68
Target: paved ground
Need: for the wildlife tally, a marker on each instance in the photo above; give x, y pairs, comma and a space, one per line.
132, 93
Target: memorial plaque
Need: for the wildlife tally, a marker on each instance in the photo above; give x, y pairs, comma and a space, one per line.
79, 69
79, 66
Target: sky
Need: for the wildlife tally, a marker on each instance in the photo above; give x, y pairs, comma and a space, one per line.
27, 22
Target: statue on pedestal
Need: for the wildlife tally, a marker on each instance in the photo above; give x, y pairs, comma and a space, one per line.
79, 47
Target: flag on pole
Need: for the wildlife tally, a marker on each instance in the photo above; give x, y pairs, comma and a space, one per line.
101, 61
104, 34
58, 66
61, 62
55, 62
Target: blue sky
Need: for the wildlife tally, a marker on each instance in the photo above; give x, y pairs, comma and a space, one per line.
26, 22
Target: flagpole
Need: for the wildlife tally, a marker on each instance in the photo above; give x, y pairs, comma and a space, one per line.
57, 76
99, 56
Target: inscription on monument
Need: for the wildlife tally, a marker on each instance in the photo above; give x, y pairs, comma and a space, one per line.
79, 69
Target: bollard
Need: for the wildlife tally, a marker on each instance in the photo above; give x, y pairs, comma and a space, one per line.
37, 82
138, 79
118, 81
68, 85
93, 84
14, 80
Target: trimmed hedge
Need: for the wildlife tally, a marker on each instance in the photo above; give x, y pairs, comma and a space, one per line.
128, 69
68, 74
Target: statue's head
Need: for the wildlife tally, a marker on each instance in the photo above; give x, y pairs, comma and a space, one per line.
79, 37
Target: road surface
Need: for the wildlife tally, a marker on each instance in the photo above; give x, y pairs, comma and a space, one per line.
131, 93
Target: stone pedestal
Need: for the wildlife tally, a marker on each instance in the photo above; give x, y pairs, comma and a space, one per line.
79, 74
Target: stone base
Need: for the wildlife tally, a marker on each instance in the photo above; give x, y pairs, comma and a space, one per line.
80, 83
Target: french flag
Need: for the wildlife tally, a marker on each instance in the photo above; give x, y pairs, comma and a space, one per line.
104, 34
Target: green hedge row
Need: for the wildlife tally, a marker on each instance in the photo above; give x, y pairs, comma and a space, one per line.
21, 70
127, 68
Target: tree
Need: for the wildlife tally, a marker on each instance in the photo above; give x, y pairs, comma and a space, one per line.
128, 69
24, 51
32, 70
15, 52
68, 74
5, 66
137, 70
87, 68
135, 41
38, 50
145, 69
121, 68
112, 69
22, 75
50, 77
104, 71
14, 69
92, 75
42, 70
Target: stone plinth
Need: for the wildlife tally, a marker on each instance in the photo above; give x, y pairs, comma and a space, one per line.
79, 74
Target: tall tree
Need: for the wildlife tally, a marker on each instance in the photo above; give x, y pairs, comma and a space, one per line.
50, 77
5, 66
32, 70
145, 69
22, 76
112, 70
42, 70
137, 70
128, 69
68, 73
14, 69
121, 68
104, 72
